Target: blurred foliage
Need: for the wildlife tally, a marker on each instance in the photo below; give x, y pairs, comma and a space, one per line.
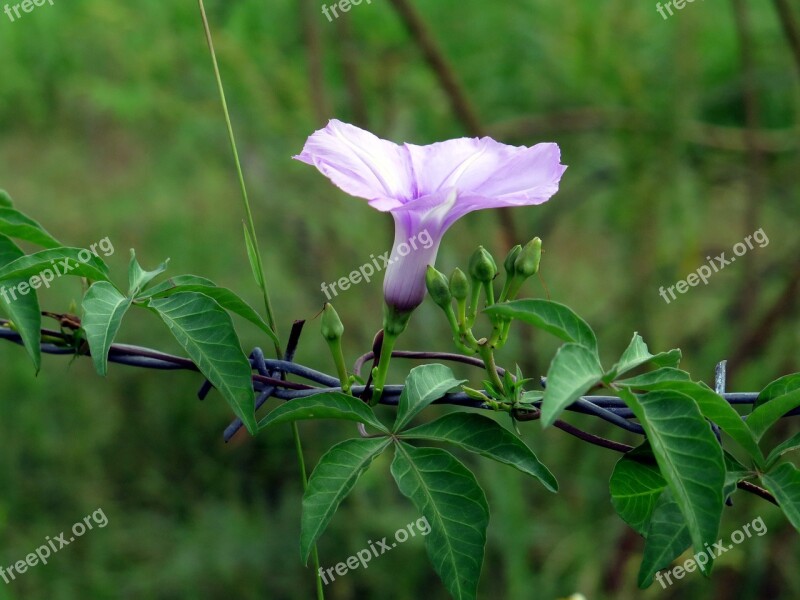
111, 127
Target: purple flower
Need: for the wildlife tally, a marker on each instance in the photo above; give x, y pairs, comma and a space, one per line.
428, 188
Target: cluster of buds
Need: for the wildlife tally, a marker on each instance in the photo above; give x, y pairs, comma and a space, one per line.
520, 264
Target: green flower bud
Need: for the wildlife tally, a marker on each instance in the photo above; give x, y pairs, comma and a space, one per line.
332, 328
510, 258
438, 287
459, 285
482, 266
527, 263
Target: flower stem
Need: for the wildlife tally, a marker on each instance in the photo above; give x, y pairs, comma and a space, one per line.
487, 354
382, 370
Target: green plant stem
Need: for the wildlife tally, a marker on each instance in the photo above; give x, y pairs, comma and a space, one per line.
250, 231
304, 477
259, 267
382, 370
487, 354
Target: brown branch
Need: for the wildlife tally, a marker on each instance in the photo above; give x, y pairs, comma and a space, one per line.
348, 56
312, 38
758, 491
791, 28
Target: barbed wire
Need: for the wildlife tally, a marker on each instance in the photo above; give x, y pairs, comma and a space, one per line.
270, 381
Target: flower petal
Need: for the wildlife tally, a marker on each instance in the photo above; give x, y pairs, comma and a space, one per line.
483, 167
361, 164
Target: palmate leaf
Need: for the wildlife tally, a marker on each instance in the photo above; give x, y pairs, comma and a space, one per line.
22, 310
330, 483
486, 437
574, 371
423, 385
688, 455
205, 331
103, 309
17, 225
555, 318
326, 405
449, 497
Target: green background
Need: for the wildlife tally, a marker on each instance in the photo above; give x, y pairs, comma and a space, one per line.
680, 140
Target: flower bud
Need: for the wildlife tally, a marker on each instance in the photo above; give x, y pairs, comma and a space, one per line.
438, 287
332, 328
527, 263
459, 285
482, 266
510, 258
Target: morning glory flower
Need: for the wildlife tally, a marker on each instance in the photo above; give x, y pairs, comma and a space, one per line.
428, 188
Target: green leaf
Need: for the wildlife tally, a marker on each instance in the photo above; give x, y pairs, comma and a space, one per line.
636, 485
423, 385
17, 225
779, 387
330, 483
688, 455
645, 380
52, 261
206, 332
326, 405
252, 257
138, 278
574, 371
549, 316
784, 483
766, 415
486, 437
225, 298
667, 538
173, 282
22, 309
774, 401
638, 354
5, 199
103, 309
793, 443
713, 407
450, 499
